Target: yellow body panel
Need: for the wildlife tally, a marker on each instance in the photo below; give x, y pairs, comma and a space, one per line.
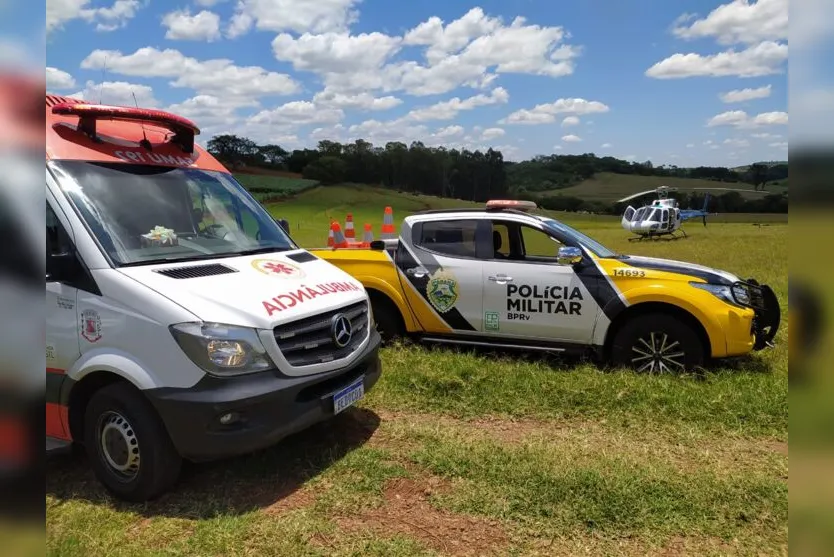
729, 328
376, 271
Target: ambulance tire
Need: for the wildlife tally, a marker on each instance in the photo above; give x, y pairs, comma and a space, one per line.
637, 332
387, 316
132, 424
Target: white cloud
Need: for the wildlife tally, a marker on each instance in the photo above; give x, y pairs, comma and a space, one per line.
207, 3
690, 145
359, 101
299, 16
297, 113
219, 77
606, 146
740, 119
118, 93
449, 131
446, 110
571, 138
470, 51
746, 94
492, 133
570, 121
780, 145
557, 147
765, 135
736, 142
202, 26
109, 18
763, 59
57, 80
546, 113
739, 21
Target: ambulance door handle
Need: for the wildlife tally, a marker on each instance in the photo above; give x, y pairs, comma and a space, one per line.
418, 272
500, 279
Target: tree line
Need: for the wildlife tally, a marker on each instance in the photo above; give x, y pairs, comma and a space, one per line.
481, 175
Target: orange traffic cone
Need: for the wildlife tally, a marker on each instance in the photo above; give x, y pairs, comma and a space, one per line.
339, 240
368, 236
387, 232
350, 233
330, 239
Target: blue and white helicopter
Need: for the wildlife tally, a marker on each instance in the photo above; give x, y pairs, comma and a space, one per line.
663, 217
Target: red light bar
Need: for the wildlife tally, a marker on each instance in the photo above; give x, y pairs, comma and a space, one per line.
183, 128
511, 204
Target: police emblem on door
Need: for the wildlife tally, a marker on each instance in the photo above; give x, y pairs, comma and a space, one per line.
442, 291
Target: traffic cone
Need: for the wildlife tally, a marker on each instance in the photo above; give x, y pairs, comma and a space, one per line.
330, 239
350, 233
387, 232
368, 236
339, 240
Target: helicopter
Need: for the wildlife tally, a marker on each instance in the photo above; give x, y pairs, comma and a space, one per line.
663, 217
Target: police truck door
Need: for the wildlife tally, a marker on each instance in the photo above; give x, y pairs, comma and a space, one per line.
527, 294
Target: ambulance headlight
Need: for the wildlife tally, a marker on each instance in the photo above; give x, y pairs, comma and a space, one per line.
730, 294
222, 349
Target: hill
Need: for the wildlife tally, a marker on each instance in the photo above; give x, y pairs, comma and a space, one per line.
609, 187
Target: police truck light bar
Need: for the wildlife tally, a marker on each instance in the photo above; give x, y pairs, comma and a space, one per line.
511, 204
183, 128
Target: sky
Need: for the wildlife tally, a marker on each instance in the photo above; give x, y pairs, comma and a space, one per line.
684, 82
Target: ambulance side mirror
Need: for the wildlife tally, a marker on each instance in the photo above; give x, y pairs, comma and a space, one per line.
568, 255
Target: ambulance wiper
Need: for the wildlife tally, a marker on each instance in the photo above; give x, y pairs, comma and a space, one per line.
261, 250
177, 259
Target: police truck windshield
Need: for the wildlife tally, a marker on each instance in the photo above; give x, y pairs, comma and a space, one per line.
148, 214
561, 229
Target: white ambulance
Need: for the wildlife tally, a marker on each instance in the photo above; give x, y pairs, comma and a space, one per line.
182, 320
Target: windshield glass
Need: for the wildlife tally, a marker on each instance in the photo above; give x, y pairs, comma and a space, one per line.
562, 229
149, 214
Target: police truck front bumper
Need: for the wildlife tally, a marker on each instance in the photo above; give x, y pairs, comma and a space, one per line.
264, 407
768, 314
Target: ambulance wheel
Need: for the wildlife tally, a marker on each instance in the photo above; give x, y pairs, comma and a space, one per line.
657, 343
388, 320
127, 444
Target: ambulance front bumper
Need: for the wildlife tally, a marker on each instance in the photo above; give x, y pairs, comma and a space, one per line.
266, 407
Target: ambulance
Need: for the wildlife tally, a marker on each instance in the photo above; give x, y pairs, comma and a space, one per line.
183, 322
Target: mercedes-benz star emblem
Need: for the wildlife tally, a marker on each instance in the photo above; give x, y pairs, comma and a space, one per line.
340, 330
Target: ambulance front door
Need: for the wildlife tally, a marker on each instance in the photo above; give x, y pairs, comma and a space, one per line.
528, 295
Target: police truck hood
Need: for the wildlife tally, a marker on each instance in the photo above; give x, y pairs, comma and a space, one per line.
260, 291
710, 275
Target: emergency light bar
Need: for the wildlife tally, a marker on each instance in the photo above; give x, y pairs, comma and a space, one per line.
183, 128
511, 204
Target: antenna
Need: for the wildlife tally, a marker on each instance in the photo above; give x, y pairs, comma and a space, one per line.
144, 143
101, 85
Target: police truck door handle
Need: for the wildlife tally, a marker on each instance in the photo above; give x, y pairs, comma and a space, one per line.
500, 279
418, 272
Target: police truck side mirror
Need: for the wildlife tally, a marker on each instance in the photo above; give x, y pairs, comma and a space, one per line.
285, 224
569, 255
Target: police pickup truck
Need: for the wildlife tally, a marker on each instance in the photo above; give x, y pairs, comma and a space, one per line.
507, 277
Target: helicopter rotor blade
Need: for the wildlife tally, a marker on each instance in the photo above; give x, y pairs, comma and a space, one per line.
630, 197
728, 189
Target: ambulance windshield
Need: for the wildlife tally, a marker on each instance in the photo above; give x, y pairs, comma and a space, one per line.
149, 214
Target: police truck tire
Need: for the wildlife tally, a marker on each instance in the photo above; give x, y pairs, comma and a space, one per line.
388, 320
127, 444
657, 343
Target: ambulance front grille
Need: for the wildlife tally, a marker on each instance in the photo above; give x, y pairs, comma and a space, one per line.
310, 340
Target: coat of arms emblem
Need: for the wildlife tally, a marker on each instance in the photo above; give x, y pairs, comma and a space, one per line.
442, 291
90, 325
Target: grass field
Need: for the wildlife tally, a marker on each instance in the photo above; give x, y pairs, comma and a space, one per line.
609, 187
480, 453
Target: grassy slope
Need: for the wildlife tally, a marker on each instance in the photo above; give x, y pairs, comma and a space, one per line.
606, 186
480, 452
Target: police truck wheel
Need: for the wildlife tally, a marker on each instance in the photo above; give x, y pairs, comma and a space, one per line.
389, 322
657, 343
128, 446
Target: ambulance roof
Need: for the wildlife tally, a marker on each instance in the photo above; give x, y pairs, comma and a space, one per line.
118, 132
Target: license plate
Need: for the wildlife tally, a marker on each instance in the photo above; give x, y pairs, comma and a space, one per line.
349, 396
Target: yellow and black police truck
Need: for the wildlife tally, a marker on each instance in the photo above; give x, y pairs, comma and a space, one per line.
507, 277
